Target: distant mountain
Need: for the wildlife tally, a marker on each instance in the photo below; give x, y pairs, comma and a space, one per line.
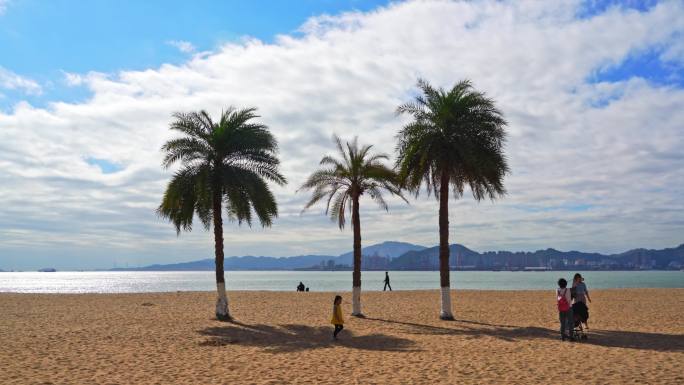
240, 263
464, 258
660, 257
407, 256
389, 249
202, 264
428, 258
385, 249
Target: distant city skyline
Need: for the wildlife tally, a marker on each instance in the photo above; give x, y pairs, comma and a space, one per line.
396, 256
593, 93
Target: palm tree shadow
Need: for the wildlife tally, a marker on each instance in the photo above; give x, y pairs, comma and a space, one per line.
608, 338
472, 329
293, 337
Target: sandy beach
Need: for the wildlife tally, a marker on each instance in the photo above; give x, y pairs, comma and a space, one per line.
636, 336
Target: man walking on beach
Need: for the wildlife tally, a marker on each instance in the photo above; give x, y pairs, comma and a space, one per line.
387, 282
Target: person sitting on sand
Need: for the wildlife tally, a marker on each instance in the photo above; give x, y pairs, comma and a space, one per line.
564, 309
337, 319
300, 287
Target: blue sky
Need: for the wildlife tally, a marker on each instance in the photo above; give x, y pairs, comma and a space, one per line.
40, 39
593, 92
591, 8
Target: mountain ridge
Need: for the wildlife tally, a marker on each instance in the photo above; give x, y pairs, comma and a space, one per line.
407, 256
248, 262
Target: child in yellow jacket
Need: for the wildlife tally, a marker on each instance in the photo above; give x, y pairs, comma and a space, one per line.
337, 319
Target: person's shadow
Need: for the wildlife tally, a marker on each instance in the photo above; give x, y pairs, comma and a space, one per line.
293, 337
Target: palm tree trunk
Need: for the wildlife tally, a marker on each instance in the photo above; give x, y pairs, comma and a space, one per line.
356, 276
445, 285
222, 302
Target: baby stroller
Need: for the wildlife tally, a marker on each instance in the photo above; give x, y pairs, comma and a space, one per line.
580, 315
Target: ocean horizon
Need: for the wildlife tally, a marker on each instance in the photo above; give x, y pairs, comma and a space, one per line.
327, 281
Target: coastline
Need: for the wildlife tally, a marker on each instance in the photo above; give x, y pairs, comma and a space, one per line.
283, 337
153, 282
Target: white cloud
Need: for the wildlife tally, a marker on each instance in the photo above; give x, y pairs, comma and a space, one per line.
3, 6
73, 80
611, 149
675, 51
183, 46
12, 81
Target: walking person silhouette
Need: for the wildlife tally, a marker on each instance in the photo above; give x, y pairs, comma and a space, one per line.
387, 282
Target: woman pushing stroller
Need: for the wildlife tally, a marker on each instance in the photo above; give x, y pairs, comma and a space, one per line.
580, 296
572, 308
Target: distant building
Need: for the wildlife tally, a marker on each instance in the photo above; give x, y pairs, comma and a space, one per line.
375, 262
535, 268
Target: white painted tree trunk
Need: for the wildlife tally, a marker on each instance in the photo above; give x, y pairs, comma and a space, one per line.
356, 301
222, 302
446, 313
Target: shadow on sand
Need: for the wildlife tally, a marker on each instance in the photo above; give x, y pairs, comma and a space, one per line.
289, 338
293, 337
608, 338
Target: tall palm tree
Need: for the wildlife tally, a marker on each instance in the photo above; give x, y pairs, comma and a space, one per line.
222, 163
342, 181
456, 137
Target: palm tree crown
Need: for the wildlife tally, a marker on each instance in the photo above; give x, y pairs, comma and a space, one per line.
356, 173
229, 159
459, 133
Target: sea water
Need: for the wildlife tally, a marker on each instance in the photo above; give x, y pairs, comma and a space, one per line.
171, 281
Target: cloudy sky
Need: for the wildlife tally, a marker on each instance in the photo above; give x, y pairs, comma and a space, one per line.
593, 93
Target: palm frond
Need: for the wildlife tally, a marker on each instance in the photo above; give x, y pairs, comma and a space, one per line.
189, 124
181, 198
340, 149
376, 195
337, 211
184, 150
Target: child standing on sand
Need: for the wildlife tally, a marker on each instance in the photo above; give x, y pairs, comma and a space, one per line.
337, 319
564, 309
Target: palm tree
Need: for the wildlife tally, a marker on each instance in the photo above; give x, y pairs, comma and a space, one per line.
225, 162
456, 137
343, 181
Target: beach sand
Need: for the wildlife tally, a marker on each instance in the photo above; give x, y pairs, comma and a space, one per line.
635, 336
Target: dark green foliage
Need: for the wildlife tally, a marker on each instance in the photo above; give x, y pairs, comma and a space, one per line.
356, 172
230, 159
459, 132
